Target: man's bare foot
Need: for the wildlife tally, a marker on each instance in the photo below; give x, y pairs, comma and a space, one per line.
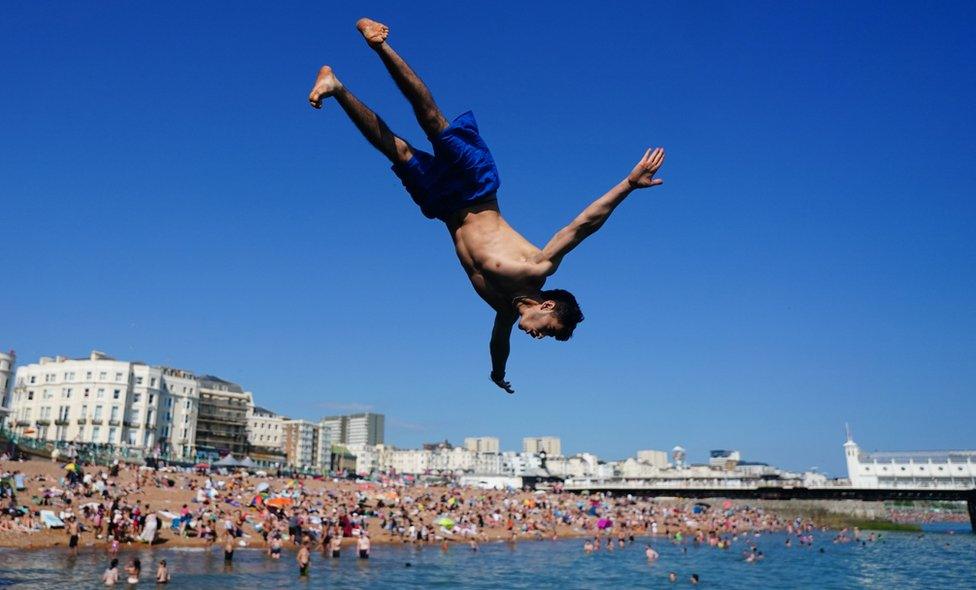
325, 86
375, 33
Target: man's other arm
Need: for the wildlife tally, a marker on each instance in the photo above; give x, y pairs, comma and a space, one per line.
595, 215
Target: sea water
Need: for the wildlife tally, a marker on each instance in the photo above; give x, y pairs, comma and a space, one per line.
934, 559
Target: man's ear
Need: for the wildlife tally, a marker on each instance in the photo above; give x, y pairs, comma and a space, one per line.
548, 305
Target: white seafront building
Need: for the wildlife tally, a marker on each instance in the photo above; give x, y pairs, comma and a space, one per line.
265, 428
103, 400
909, 469
7, 362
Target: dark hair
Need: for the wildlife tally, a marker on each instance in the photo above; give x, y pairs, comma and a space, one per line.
567, 310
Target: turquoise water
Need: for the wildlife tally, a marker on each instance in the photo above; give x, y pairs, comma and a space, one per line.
898, 560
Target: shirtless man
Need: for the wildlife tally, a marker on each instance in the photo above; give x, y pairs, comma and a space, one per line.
457, 184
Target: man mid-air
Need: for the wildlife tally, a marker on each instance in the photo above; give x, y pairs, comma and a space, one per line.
457, 184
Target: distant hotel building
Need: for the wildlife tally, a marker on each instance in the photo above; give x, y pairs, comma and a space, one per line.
352, 430
7, 361
538, 444
911, 469
658, 459
301, 444
223, 418
482, 444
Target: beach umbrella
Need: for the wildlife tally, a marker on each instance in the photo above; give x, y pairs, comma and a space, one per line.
603, 523
262, 486
279, 502
727, 504
446, 523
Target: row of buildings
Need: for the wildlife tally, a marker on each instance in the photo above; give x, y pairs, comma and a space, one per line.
164, 411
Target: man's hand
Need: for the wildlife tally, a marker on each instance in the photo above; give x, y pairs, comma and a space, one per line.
642, 176
499, 380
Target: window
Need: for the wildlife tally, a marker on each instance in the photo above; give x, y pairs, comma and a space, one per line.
152, 396
186, 404
133, 437
118, 376
152, 382
136, 398
139, 380
111, 434
115, 413
47, 394
88, 375
115, 393
169, 402
87, 392
102, 375
32, 378
98, 413
84, 410
30, 395
100, 394
96, 433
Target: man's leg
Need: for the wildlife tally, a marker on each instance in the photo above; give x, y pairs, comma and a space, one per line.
428, 115
369, 123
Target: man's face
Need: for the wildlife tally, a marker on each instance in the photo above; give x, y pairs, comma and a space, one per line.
540, 321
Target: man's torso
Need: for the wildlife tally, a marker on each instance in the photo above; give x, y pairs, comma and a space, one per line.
500, 263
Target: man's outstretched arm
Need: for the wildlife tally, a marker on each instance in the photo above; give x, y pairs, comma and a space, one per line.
594, 216
500, 335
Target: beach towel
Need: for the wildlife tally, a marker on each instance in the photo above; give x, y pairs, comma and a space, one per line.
50, 520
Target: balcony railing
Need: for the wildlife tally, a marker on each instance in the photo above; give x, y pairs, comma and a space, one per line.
23, 422
96, 420
82, 420
113, 422
62, 421
131, 424
43, 421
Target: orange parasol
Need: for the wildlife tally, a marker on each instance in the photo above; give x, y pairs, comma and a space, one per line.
279, 502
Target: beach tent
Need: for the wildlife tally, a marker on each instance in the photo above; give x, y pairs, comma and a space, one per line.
246, 462
228, 461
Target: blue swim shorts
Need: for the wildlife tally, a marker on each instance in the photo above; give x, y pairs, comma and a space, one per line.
460, 173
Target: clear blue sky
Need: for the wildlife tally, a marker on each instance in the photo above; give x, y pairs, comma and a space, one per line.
166, 194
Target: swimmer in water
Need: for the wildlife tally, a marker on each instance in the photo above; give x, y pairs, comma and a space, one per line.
651, 554
458, 183
162, 573
111, 575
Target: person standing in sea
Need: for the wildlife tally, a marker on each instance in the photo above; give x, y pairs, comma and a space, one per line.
304, 558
